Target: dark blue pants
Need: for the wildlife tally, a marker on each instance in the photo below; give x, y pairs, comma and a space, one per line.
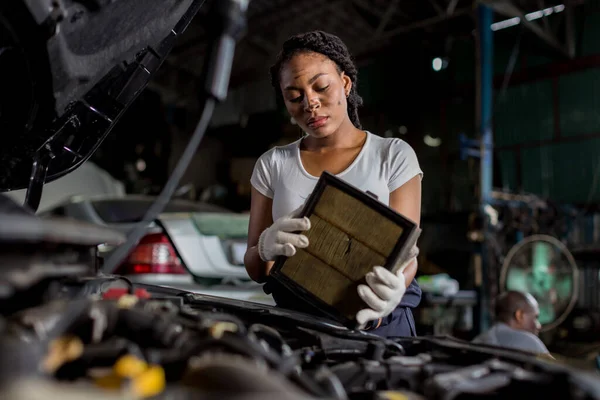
400, 324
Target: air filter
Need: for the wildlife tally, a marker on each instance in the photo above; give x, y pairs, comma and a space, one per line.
351, 231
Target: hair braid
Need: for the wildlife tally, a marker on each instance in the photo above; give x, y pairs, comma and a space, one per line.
333, 48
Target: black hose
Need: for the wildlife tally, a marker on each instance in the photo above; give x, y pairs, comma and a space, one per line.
97, 285
333, 382
246, 347
121, 252
284, 365
150, 330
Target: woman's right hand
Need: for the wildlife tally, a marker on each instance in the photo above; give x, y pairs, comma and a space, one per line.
280, 240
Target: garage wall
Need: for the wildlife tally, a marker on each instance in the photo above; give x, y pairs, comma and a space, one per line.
253, 98
548, 131
547, 121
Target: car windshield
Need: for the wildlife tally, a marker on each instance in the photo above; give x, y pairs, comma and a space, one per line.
223, 225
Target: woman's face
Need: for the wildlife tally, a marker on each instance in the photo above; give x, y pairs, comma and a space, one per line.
315, 93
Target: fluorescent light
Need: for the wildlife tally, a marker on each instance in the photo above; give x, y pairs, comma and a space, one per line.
532, 16
439, 63
431, 141
507, 23
140, 165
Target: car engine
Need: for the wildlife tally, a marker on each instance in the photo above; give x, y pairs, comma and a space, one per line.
68, 331
103, 339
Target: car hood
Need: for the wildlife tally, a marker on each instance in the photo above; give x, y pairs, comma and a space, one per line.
242, 306
89, 77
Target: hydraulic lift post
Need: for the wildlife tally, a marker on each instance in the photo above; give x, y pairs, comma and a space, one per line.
485, 90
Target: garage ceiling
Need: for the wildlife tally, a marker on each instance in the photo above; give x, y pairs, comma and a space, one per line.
368, 27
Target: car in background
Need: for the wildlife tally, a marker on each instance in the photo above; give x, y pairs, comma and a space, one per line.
89, 179
193, 246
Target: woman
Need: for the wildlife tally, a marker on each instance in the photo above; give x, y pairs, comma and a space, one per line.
316, 78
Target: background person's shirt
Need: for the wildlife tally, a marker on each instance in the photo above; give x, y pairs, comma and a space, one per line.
503, 335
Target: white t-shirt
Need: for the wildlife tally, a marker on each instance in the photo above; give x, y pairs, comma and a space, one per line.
382, 166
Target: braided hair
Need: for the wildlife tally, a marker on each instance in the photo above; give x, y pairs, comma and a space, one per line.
330, 46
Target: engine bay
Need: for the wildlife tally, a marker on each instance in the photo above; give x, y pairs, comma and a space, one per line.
126, 342
70, 331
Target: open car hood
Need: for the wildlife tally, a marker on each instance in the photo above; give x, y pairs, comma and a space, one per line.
81, 77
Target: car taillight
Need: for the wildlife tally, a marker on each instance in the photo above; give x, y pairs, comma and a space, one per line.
153, 255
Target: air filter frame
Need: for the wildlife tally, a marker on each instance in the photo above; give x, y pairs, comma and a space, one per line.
390, 252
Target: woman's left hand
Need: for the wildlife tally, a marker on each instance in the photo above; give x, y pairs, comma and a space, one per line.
383, 293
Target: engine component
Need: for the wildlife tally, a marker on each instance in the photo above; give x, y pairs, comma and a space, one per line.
225, 375
36, 253
161, 349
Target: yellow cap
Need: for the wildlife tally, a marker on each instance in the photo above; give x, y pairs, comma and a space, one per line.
219, 328
61, 351
149, 383
393, 396
127, 301
129, 366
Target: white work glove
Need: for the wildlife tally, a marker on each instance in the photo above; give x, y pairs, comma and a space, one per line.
279, 239
383, 292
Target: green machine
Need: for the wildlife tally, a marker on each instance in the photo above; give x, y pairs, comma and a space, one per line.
543, 266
